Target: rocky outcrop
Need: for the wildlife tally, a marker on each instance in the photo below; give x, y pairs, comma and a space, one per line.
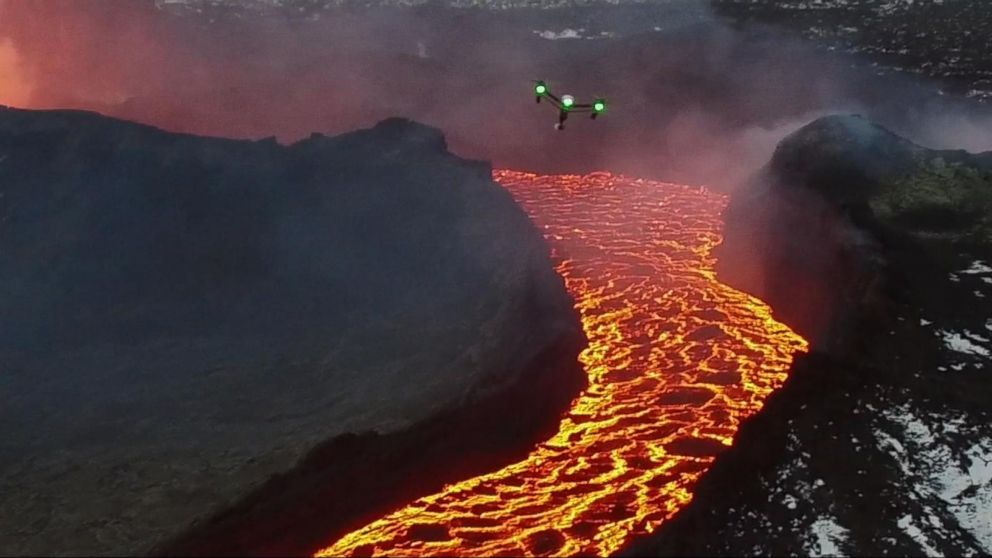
185, 317
879, 441
794, 233
808, 232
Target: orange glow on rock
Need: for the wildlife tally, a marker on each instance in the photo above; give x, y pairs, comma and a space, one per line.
14, 89
676, 360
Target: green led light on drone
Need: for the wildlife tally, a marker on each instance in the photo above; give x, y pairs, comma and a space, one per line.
567, 101
599, 106
541, 89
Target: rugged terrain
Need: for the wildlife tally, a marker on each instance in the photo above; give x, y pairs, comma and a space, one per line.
879, 443
946, 40
185, 317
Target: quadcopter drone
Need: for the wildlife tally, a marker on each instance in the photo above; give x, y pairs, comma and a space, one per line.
566, 104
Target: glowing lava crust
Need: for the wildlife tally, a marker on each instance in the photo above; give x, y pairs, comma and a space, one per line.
676, 360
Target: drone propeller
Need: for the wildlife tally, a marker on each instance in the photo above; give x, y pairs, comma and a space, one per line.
598, 107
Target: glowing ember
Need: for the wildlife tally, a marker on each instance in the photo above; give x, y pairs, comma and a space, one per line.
675, 361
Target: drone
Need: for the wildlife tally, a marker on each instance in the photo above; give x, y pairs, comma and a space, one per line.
566, 104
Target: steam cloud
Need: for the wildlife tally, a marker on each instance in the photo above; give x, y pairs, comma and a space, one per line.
699, 102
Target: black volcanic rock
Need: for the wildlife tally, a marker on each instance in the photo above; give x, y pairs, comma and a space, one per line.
841, 157
879, 443
862, 167
184, 317
804, 234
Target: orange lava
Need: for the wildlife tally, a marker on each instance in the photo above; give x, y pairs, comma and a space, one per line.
676, 360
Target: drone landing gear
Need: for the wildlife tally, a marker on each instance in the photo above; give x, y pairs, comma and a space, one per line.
561, 120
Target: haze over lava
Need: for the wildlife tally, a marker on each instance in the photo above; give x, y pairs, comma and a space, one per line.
697, 101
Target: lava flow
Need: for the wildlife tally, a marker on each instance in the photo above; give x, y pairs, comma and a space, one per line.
676, 360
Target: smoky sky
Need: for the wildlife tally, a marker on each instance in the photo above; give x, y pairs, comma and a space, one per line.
701, 101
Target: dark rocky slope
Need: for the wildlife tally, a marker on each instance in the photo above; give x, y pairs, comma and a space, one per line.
880, 442
185, 317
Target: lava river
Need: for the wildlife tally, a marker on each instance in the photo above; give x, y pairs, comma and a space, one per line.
676, 360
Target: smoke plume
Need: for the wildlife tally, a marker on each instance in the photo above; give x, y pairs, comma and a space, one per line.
700, 101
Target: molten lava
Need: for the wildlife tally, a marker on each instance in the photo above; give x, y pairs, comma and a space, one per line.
676, 360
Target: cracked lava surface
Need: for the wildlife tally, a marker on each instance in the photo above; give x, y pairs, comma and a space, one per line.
676, 360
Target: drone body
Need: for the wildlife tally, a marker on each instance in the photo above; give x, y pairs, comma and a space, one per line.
566, 104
